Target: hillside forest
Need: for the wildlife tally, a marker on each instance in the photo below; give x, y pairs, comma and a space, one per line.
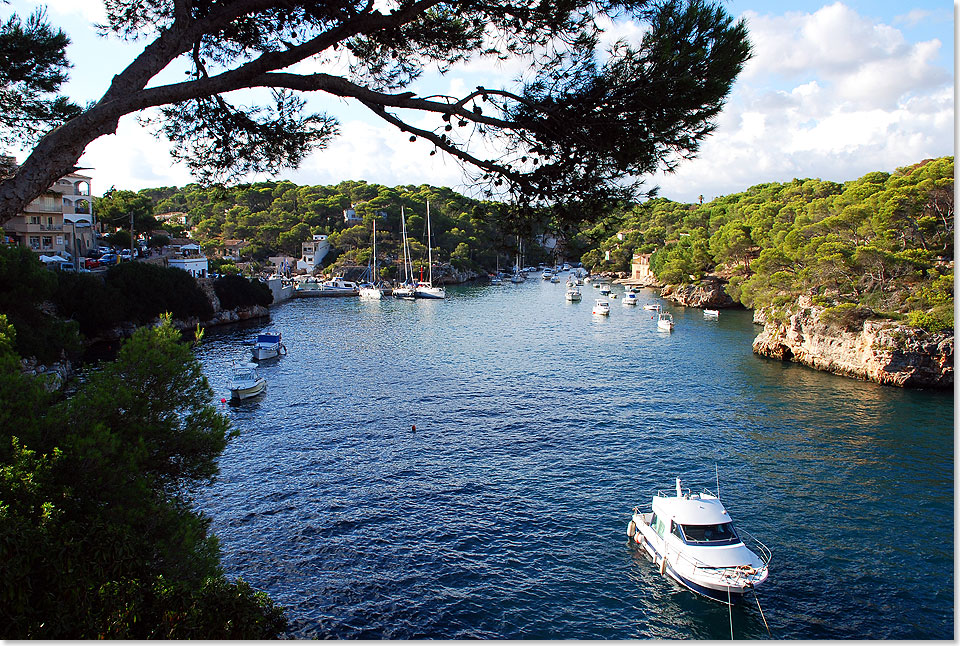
877, 246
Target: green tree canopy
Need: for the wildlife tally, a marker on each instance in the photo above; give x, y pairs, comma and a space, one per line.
584, 127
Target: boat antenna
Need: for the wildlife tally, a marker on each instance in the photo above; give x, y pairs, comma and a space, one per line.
717, 469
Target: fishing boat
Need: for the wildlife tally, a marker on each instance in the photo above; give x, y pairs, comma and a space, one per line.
496, 279
426, 289
573, 293
711, 314
629, 298
267, 346
372, 290
665, 321
547, 274
246, 382
602, 307
692, 540
604, 289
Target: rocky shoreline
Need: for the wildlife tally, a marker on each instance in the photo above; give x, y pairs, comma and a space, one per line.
883, 351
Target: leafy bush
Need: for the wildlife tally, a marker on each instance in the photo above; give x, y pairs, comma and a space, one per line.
149, 290
938, 319
89, 301
237, 291
848, 316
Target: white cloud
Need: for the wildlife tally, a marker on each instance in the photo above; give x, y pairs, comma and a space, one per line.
829, 94
132, 159
89, 11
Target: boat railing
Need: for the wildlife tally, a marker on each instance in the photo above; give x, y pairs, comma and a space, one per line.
755, 546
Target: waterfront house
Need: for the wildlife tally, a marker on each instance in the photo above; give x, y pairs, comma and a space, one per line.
231, 249
640, 267
195, 265
313, 252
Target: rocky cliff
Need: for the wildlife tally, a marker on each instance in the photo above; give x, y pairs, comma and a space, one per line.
887, 352
708, 293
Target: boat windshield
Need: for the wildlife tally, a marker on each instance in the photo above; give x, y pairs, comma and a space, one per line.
721, 534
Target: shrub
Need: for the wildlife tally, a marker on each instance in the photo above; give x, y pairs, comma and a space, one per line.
237, 291
149, 290
848, 316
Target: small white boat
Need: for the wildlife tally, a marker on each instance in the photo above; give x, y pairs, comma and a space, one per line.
652, 307
604, 289
516, 277
405, 291
267, 346
573, 293
602, 307
711, 314
547, 274
629, 298
665, 321
246, 382
338, 287
496, 280
555, 278
692, 540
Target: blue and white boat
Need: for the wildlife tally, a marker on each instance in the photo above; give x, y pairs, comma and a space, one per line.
692, 540
267, 346
629, 298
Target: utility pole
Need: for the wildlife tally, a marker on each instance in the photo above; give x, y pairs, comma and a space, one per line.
131, 236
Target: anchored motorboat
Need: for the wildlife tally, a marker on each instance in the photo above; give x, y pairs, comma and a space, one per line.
691, 539
573, 293
665, 321
711, 314
629, 298
267, 346
652, 307
604, 289
246, 382
602, 307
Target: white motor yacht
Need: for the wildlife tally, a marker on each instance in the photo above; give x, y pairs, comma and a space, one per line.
629, 298
246, 382
267, 346
604, 289
665, 321
602, 307
652, 307
573, 293
692, 540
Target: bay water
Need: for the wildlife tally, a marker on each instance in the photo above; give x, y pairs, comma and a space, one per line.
467, 468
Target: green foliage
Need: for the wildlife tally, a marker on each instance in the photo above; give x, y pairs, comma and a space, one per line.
25, 285
33, 66
88, 300
116, 207
119, 239
236, 291
98, 537
848, 316
871, 243
149, 290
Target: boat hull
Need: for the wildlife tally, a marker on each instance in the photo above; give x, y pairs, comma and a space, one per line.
727, 585
241, 392
265, 352
434, 293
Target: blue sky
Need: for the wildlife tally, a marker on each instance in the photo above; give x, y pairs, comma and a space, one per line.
835, 90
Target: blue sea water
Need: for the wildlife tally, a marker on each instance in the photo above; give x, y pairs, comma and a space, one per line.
538, 428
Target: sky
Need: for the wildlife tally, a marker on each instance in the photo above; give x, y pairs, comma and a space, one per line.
834, 90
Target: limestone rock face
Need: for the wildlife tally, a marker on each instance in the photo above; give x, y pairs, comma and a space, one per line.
709, 293
886, 352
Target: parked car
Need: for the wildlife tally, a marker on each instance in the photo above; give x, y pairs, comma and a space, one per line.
108, 259
91, 263
125, 255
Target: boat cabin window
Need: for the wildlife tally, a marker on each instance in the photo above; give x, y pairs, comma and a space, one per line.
721, 534
657, 524
675, 530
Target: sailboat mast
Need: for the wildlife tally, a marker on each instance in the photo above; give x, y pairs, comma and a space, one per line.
373, 277
429, 245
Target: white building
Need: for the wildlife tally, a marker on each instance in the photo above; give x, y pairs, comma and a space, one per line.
314, 251
196, 266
